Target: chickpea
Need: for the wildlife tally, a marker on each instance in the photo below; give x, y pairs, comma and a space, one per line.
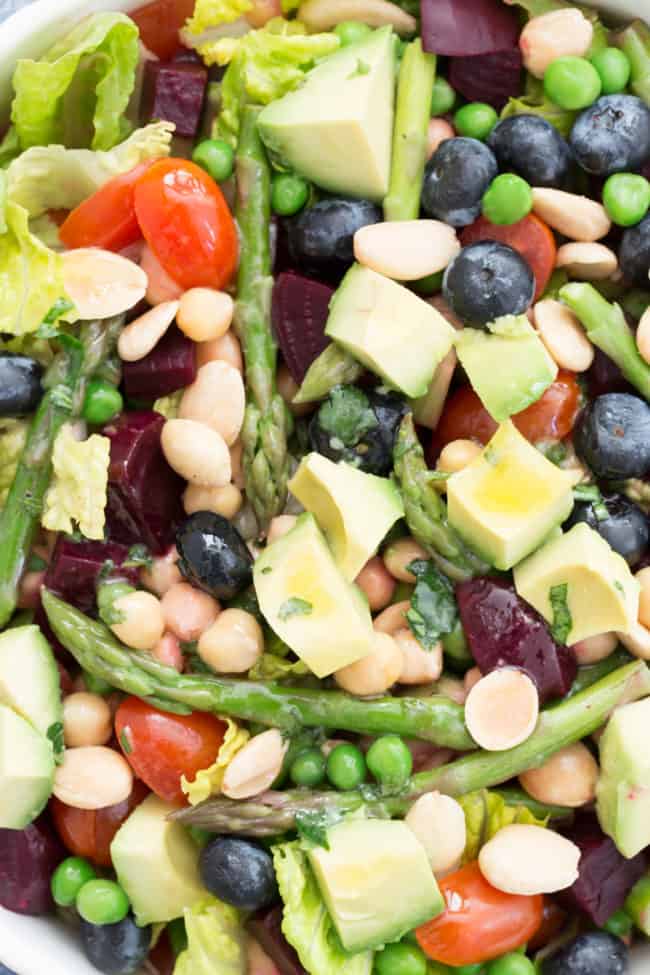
226, 500
376, 582
594, 648
279, 526
188, 612
216, 398
376, 672
196, 452
87, 720
143, 622
168, 652
458, 455
393, 618
472, 677
256, 766
439, 131
568, 778
163, 574
399, 555
554, 35
236, 466
226, 349
438, 822
643, 336
420, 666
92, 778
643, 578
233, 644
205, 314
287, 388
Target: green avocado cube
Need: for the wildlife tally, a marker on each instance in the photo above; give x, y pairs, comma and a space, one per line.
623, 790
26, 770
29, 679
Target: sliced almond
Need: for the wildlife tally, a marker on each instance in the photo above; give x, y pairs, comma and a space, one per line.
144, 333
406, 250
563, 335
438, 822
589, 262
577, 217
102, 284
255, 768
501, 709
528, 860
323, 15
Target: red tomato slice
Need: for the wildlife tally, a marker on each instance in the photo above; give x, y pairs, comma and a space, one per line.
107, 218
159, 24
480, 923
530, 237
161, 747
89, 832
186, 222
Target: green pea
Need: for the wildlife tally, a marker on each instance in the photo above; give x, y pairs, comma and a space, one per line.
68, 879
507, 200
102, 902
216, 157
512, 964
430, 285
346, 767
351, 32
614, 68
626, 197
289, 193
475, 121
443, 97
102, 402
619, 924
390, 761
572, 83
309, 768
400, 959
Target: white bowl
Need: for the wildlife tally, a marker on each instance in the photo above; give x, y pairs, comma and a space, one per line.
32, 946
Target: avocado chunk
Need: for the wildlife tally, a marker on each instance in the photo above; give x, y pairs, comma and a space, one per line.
530, 369
26, 770
157, 863
623, 790
601, 594
354, 509
389, 329
376, 882
29, 678
505, 503
337, 128
307, 601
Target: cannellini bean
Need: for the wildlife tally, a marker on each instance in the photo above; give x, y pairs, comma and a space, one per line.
168, 652
205, 314
643, 336
438, 822
225, 349
163, 574
563, 335
196, 452
399, 556
323, 15
377, 584
525, 859
568, 778
233, 644
188, 612
589, 262
92, 778
438, 131
142, 335
216, 398
501, 709
594, 648
226, 500
87, 720
143, 622
287, 388
279, 526
419, 666
637, 641
374, 673
102, 284
471, 679
452, 688
643, 578
554, 35
577, 217
256, 766
393, 618
406, 249
458, 455
160, 286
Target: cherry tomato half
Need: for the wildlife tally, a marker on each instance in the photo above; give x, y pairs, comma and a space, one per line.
186, 222
159, 24
161, 747
530, 237
107, 218
89, 832
480, 922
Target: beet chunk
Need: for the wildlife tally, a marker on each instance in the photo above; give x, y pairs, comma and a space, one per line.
605, 876
175, 93
491, 78
466, 27
28, 858
171, 365
505, 631
72, 574
266, 927
144, 493
300, 311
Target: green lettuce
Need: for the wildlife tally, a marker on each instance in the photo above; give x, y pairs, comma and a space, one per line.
635, 42
485, 814
535, 102
13, 436
306, 923
271, 667
216, 941
78, 490
214, 13
168, 406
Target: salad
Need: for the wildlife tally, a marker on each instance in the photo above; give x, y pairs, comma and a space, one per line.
324, 488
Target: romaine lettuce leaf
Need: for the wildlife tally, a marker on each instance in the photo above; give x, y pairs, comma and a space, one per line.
271, 667
485, 814
561, 118
77, 493
13, 435
216, 941
207, 782
213, 13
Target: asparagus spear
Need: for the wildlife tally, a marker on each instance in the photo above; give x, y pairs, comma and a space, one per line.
606, 327
635, 42
416, 76
637, 904
267, 420
436, 719
275, 812
426, 512
333, 367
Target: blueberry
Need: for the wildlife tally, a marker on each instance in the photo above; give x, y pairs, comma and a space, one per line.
320, 238
625, 528
634, 253
612, 135
20, 384
116, 949
239, 872
612, 436
533, 148
593, 953
488, 280
213, 555
455, 179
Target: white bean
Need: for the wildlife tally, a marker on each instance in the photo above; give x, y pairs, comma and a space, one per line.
438, 131
406, 250
224, 501
102, 284
554, 35
588, 262
637, 641
594, 648
279, 526
196, 452
563, 335
393, 618
567, 778
643, 336
438, 822
225, 349
163, 574
377, 584
419, 666
577, 217
160, 285
92, 778
527, 860
256, 766
142, 335
233, 644
501, 709
168, 652
399, 556
87, 720
323, 15
188, 612
458, 455
217, 398
374, 673
143, 623
205, 314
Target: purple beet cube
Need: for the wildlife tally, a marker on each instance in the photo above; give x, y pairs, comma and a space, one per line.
28, 858
171, 365
605, 876
491, 78
300, 310
174, 92
75, 567
144, 493
505, 631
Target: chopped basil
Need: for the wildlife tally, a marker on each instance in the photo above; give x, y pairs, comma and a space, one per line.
313, 826
138, 555
433, 610
347, 415
562, 620
55, 735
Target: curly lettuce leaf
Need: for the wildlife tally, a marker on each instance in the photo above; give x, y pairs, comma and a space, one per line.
561, 118
485, 814
168, 406
216, 940
306, 923
208, 781
271, 667
78, 489
13, 436
214, 13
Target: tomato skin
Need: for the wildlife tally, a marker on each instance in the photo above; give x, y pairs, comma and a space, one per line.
89, 832
186, 222
107, 218
530, 237
159, 24
480, 923
161, 747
